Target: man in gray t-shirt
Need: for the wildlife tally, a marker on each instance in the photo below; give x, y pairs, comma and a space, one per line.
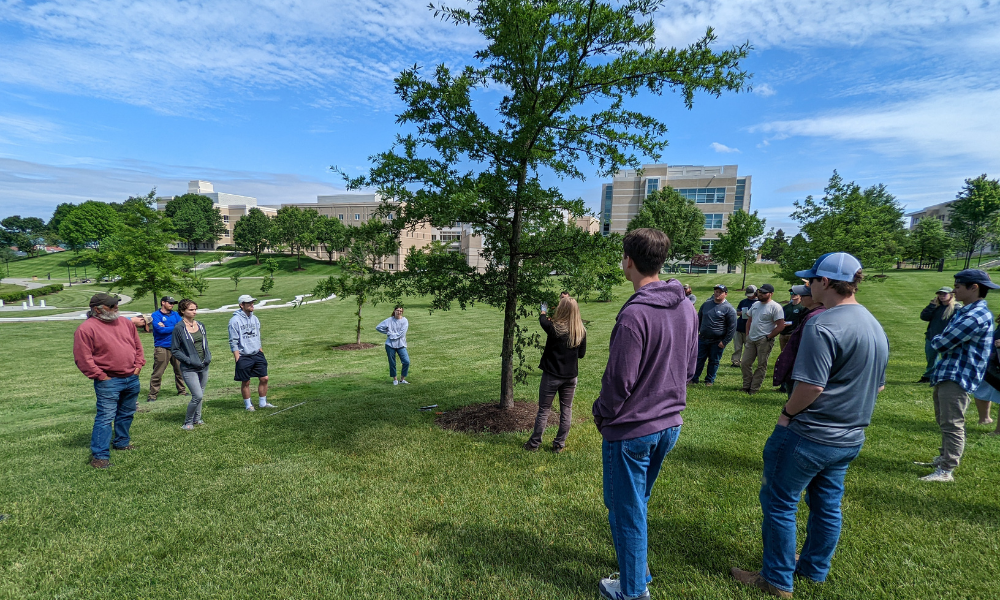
839, 370
765, 321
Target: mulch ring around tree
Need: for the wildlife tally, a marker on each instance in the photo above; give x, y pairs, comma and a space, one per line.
361, 346
489, 418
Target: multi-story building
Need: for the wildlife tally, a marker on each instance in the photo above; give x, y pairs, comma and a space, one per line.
231, 206
941, 212
717, 190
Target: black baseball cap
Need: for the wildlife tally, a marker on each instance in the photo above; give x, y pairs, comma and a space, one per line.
169, 299
767, 287
103, 299
801, 290
976, 276
719, 286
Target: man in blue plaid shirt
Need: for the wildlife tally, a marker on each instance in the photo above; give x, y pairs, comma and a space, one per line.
964, 346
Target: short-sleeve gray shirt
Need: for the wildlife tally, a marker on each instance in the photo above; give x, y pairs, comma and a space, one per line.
845, 351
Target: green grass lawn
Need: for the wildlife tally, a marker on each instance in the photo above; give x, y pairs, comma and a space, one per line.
7, 288
357, 494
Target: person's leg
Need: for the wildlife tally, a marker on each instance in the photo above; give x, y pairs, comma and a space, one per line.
782, 340
546, 392
749, 354
107, 404
245, 389
931, 355
823, 496
738, 339
178, 376
203, 382
953, 401
762, 348
700, 364
391, 353
125, 411
567, 388
714, 358
404, 359
161, 358
983, 406
193, 380
262, 386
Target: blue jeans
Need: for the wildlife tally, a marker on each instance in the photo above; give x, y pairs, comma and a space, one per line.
630, 470
404, 358
708, 349
116, 399
793, 464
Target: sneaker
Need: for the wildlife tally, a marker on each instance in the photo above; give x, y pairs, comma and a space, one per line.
199, 422
187, 427
268, 405
183, 394
251, 408
709, 383
934, 463
557, 449
404, 381
610, 588
394, 382
939, 474
753, 579
100, 463
527, 446
924, 380
150, 399
123, 448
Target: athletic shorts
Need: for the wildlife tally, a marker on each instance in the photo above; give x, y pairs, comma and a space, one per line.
251, 365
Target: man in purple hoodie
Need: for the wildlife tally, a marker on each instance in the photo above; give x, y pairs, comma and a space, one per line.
654, 349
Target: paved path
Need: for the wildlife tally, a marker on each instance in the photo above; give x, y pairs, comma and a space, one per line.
27, 282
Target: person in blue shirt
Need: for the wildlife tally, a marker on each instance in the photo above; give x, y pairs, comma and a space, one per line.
163, 322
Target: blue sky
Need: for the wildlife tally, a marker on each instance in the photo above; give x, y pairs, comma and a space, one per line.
102, 99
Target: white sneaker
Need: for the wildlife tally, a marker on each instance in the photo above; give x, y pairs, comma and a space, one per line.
934, 463
611, 589
939, 474
267, 405
250, 408
404, 381
394, 382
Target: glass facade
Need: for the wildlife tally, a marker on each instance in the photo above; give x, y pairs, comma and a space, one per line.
652, 185
741, 185
713, 220
686, 268
704, 195
606, 209
706, 245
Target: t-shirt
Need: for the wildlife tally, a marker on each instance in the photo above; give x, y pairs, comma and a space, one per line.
845, 351
199, 343
793, 313
741, 322
764, 317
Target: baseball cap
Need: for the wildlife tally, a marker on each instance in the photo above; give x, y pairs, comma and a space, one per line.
719, 286
767, 287
975, 276
247, 299
838, 266
169, 299
946, 289
751, 290
801, 290
103, 299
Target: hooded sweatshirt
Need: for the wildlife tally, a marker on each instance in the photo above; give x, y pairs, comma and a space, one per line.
653, 351
244, 333
395, 331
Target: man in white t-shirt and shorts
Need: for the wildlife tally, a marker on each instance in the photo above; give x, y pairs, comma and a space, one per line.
765, 321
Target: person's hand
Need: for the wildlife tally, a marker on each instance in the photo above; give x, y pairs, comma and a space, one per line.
722, 345
935, 301
137, 369
236, 355
783, 421
996, 344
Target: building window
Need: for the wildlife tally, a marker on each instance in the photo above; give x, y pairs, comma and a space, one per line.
713, 220
706, 245
434, 237
741, 186
357, 217
686, 268
391, 266
341, 217
226, 234
225, 219
652, 184
391, 216
704, 195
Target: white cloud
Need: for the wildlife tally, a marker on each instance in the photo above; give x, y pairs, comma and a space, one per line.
17, 128
722, 148
764, 90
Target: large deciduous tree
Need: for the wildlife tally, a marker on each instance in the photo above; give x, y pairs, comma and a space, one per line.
676, 216
195, 219
975, 216
295, 228
741, 241
88, 224
24, 232
559, 74
252, 233
928, 242
774, 246
332, 234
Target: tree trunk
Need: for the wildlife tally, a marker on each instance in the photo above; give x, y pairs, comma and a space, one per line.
361, 302
744, 275
156, 304
510, 316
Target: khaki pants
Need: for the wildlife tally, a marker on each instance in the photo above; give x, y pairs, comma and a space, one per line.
161, 358
782, 340
739, 340
761, 351
950, 402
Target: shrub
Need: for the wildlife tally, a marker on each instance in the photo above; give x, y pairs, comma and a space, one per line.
23, 295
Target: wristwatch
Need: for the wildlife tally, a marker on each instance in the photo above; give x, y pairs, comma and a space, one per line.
785, 412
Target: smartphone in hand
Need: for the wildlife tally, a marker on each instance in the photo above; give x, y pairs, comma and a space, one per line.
545, 307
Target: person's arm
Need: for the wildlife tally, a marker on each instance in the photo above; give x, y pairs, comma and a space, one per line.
582, 348
621, 373
83, 356
779, 327
383, 327
140, 354
803, 396
546, 324
234, 339
179, 350
730, 323
958, 331
928, 313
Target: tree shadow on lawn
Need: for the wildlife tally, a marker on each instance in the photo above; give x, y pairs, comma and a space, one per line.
933, 507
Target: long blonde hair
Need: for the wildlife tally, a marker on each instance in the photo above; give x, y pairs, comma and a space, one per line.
950, 307
567, 322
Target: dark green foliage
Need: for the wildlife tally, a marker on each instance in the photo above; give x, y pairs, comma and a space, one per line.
676, 216
928, 242
252, 233
295, 227
25, 233
597, 268
195, 219
35, 293
975, 216
88, 224
332, 234
774, 246
741, 241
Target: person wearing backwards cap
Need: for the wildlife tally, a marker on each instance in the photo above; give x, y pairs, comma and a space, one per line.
244, 341
716, 326
937, 314
106, 348
964, 346
765, 321
163, 322
839, 371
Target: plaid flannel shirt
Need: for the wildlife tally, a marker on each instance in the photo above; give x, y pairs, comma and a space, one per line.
964, 346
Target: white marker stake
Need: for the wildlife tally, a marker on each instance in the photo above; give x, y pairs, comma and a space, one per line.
24, 306
43, 303
31, 300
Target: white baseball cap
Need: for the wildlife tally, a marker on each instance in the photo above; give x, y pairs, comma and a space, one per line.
247, 299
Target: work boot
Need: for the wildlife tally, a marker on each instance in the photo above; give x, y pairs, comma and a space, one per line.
753, 579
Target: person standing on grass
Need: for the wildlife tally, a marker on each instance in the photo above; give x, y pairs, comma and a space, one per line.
786, 359
106, 348
565, 345
793, 316
937, 314
690, 293
964, 346
716, 326
988, 391
740, 337
765, 321
394, 329
244, 341
838, 374
189, 344
653, 350
163, 322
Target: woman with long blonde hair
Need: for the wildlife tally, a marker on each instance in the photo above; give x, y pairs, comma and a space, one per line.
565, 345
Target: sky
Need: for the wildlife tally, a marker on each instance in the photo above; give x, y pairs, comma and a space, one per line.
103, 99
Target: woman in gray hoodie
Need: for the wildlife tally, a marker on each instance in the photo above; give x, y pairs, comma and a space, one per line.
189, 345
394, 329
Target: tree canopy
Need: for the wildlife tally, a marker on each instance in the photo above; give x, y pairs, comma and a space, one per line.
676, 216
24, 232
88, 223
928, 242
975, 215
332, 234
774, 246
295, 228
741, 241
195, 219
252, 233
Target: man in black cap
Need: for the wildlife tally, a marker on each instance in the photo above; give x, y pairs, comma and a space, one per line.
163, 322
964, 347
716, 327
106, 348
765, 322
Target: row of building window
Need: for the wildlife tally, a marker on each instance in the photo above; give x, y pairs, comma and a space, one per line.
713, 220
704, 195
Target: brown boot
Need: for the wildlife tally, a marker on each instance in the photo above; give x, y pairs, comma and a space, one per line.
753, 579
100, 463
